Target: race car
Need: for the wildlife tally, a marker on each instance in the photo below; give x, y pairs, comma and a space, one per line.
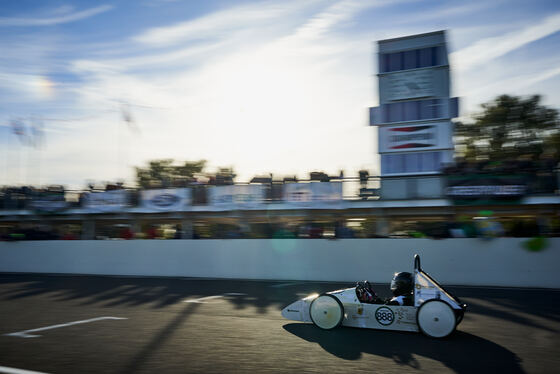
431, 310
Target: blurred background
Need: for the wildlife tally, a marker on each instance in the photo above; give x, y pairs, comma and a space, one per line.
170, 119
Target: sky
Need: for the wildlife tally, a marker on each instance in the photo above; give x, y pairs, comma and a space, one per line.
278, 87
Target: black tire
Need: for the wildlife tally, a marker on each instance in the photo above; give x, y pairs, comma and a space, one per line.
326, 312
460, 314
436, 319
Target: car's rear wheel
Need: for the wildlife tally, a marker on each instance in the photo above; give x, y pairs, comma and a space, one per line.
436, 319
326, 312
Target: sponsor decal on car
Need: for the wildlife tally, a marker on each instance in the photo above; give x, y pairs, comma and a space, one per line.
405, 317
384, 316
359, 317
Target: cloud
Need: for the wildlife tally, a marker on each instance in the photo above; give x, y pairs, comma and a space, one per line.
447, 12
258, 103
242, 38
277, 87
219, 24
228, 32
177, 58
257, 16
519, 79
334, 14
488, 49
72, 17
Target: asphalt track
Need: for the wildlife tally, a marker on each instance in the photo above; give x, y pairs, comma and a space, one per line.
173, 325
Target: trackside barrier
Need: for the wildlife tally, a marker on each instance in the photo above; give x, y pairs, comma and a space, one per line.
473, 262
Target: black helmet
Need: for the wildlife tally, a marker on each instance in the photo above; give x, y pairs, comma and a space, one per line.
401, 284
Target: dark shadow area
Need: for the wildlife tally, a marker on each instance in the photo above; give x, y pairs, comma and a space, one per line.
461, 352
90, 290
513, 304
151, 348
153, 292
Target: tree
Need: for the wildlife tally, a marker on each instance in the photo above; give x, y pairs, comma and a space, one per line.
509, 127
165, 173
224, 176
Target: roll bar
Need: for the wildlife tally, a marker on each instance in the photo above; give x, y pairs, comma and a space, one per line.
417, 262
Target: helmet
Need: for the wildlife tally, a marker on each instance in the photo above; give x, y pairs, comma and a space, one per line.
401, 284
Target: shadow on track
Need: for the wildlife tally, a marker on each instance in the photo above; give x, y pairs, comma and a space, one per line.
156, 292
461, 352
159, 340
516, 305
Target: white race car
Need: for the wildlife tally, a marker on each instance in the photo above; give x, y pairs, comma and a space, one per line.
433, 311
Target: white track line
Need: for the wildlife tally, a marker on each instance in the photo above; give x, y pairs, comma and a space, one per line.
203, 300
285, 284
25, 334
7, 370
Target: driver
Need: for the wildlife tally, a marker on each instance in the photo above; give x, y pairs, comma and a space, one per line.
402, 287
366, 294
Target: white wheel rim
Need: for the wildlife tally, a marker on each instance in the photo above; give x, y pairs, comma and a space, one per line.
325, 312
436, 319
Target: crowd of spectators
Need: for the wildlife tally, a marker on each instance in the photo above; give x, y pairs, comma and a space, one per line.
481, 227
474, 227
37, 232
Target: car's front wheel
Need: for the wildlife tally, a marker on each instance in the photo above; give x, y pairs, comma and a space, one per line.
326, 312
436, 319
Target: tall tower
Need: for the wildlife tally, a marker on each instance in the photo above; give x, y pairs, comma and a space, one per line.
415, 109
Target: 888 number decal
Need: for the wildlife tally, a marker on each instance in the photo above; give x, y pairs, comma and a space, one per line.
384, 316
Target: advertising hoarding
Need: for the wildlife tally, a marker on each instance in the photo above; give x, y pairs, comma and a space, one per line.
417, 137
236, 196
410, 84
166, 200
47, 203
106, 201
486, 189
313, 194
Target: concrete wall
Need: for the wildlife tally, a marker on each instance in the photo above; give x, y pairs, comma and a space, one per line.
498, 262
